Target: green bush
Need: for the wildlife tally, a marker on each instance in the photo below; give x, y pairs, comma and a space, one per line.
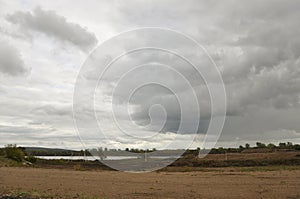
14, 153
31, 159
2, 152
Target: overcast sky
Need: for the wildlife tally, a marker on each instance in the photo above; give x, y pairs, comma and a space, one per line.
255, 45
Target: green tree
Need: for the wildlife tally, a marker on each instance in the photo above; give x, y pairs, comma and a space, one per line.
282, 145
271, 146
14, 153
290, 145
260, 145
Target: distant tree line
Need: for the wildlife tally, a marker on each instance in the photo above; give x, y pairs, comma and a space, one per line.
18, 153
259, 145
140, 150
56, 152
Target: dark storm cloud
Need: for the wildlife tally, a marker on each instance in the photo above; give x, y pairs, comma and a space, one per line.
255, 44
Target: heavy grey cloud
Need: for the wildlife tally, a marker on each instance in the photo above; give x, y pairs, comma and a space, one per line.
54, 25
11, 61
255, 44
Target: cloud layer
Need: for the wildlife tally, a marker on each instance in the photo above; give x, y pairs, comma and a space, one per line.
53, 25
255, 45
11, 61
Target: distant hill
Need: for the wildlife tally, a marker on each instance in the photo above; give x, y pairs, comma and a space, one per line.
45, 149
40, 151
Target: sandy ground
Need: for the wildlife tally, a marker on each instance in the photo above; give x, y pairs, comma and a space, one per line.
111, 184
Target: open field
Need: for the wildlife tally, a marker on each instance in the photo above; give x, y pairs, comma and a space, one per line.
54, 183
232, 175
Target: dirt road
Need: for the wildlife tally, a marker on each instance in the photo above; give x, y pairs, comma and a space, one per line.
111, 184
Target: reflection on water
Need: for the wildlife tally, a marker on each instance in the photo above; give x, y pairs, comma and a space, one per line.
91, 158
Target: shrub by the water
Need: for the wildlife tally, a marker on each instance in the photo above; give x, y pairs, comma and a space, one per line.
14, 153
31, 159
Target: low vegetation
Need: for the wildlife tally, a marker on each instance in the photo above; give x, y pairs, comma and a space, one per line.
261, 155
14, 153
